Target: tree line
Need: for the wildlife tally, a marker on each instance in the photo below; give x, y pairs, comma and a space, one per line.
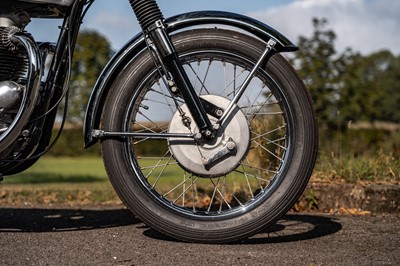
348, 86
345, 86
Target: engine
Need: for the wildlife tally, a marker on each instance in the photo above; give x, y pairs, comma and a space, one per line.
13, 66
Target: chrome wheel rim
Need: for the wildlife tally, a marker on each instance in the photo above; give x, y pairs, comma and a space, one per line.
258, 172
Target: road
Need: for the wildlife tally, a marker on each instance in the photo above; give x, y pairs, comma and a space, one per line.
115, 237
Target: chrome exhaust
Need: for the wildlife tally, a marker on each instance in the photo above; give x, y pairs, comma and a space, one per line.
29, 94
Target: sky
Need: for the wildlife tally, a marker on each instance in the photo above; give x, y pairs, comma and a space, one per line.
366, 26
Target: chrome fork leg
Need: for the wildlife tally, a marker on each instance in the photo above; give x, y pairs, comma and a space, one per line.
179, 80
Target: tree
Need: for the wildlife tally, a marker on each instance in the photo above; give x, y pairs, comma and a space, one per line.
316, 65
91, 54
388, 82
370, 89
347, 86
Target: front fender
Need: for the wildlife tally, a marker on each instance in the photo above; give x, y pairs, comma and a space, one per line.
179, 22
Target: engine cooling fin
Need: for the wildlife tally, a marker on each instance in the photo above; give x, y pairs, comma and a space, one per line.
13, 60
6, 38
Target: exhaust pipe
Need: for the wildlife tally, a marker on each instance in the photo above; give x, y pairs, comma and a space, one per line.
10, 97
29, 95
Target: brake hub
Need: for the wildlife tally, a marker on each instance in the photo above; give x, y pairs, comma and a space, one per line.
218, 156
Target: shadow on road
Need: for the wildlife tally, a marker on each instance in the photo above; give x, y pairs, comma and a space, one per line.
53, 220
290, 228
295, 227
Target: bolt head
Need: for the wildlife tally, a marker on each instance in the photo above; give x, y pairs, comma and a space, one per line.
25, 133
231, 145
219, 113
198, 136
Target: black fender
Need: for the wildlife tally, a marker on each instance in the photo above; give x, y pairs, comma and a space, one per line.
179, 22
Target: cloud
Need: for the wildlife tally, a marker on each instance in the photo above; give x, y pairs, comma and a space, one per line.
117, 26
364, 25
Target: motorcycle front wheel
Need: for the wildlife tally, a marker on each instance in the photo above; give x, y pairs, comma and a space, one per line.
224, 189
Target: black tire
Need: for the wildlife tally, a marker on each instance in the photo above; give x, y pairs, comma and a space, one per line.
267, 181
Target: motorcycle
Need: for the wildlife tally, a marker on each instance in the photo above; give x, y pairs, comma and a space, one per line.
207, 132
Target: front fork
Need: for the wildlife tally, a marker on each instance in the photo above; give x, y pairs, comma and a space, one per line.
177, 79
151, 20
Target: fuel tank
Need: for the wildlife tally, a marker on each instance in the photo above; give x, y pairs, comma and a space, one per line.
55, 2
36, 8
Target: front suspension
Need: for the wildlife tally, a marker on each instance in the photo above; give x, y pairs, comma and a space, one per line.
151, 20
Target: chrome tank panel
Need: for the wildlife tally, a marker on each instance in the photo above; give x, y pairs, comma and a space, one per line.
55, 2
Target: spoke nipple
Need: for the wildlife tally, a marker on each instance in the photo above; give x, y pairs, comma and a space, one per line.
145, 107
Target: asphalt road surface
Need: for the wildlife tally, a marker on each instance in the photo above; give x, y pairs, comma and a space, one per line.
115, 237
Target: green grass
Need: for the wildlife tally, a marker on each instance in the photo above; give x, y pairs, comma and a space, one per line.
62, 170
65, 180
83, 180
59, 180
379, 168
61, 194
382, 167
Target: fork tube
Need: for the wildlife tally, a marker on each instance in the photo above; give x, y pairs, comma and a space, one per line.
151, 20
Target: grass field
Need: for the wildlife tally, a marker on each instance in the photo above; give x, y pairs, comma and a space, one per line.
379, 168
62, 170
83, 180
59, 180
80, 170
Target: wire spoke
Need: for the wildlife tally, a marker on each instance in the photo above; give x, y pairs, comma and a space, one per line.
205, 77
267, 150
155, 166
203, 86
233, 83
161, 172
254, 174
167, 175
268, 141
219, 192
258, 168
158, 166
177, 186
213, 194
269, 132
165, 95
248, 182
